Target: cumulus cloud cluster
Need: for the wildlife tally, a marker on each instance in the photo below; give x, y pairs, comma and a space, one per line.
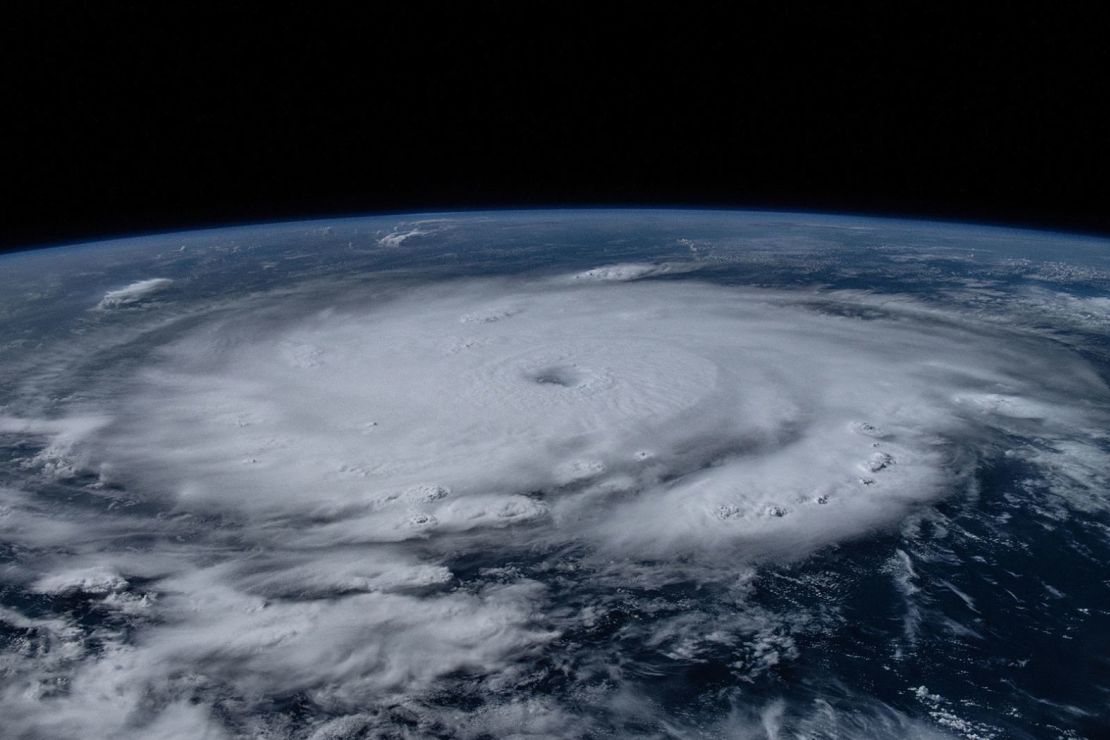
288, 509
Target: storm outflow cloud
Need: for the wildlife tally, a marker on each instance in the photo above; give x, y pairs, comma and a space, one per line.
286, 500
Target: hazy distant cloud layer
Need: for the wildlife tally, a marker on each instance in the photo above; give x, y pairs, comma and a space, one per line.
281, 502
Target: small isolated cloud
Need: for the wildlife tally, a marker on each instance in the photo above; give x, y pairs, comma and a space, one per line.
406, 230
133, 293
396, 238
624, 272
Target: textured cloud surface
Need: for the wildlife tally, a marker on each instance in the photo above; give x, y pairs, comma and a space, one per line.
320, 502
651, 418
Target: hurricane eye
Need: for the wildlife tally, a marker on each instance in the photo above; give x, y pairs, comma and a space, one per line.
567, 377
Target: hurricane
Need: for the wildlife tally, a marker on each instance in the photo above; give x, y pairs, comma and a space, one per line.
583, 474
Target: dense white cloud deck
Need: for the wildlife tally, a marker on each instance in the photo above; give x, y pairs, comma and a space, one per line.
663, 417
311, 474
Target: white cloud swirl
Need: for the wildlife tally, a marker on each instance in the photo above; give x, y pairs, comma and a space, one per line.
308, 480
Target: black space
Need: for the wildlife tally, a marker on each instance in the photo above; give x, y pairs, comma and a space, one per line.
130, 118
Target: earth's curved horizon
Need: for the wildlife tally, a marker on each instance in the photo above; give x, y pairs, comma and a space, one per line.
557, 473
